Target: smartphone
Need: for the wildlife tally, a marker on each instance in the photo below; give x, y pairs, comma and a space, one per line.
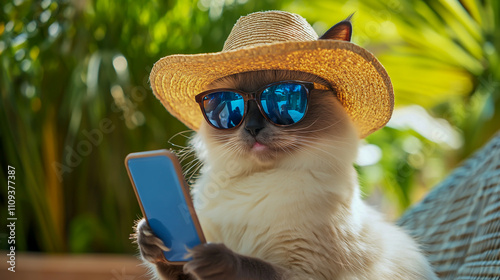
165, 202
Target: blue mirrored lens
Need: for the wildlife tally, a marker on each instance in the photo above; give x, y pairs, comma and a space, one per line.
284, 103
224, 109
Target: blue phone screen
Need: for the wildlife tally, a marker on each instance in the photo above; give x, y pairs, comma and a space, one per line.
164, 204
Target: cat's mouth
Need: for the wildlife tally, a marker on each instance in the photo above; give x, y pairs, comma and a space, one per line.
258, 147
268, 147
263, 152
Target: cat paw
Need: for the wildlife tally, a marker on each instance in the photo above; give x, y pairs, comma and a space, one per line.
212, 262
150, 246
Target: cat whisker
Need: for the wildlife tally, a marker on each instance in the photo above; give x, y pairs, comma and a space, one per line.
197, 167
305, 129
312, 140
297, 129
285, 148
330, 142
181, 133
184, 153
192, 163
230, 147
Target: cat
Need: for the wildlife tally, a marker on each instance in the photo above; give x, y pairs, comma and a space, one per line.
290, 209
284, 202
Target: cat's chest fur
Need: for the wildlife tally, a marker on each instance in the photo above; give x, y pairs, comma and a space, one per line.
275, 215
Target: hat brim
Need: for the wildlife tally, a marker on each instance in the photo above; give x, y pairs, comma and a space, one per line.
362, 84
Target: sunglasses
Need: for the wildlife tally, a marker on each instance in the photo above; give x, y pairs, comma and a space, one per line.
283, 103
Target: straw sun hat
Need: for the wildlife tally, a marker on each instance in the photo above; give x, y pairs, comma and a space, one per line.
276, 40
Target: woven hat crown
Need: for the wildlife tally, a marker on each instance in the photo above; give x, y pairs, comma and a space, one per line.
268, 27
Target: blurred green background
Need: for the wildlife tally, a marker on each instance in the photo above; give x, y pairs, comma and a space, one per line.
75, 100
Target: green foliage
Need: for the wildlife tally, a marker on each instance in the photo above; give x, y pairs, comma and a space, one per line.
75, 98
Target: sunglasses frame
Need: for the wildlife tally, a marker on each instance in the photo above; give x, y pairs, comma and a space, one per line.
247, 96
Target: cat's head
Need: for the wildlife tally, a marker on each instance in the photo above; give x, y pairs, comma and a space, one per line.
325, 136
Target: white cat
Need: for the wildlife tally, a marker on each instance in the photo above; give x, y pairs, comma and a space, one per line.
283, 202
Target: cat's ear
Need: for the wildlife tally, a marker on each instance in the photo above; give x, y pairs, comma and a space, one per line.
341, 31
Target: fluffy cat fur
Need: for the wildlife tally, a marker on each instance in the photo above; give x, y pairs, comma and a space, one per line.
292, 210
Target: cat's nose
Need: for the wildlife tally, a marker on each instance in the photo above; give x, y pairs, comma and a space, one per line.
253, 130
254, 122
